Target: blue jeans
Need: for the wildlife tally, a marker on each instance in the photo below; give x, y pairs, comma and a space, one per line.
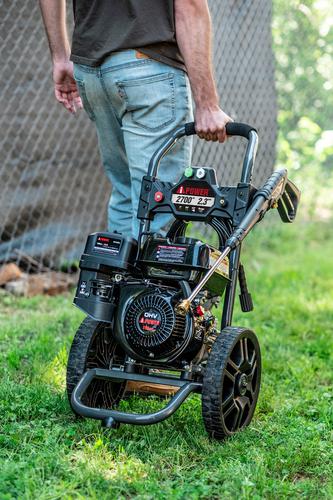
135, 103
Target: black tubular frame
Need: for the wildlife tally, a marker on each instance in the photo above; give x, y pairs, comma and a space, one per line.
232, 129
266, 197
113, 416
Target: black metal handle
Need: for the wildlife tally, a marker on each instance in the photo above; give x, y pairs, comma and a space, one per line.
190, 128
240, 129
232, 129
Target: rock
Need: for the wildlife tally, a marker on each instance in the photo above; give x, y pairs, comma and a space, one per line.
50, 283
18, 287
9, 272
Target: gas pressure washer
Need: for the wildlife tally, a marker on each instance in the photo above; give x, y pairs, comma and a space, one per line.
149, 301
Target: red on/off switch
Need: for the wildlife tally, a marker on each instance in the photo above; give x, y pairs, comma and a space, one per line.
159, 196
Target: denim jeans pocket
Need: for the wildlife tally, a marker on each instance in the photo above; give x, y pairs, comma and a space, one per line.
83, 94
150, 100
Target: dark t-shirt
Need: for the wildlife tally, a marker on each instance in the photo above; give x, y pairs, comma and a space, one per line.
105, 26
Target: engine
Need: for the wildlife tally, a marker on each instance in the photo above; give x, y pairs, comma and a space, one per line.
148, 327
138, 292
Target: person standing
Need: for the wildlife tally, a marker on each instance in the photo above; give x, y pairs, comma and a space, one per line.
132, 66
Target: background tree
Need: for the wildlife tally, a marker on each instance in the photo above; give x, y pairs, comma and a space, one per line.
303, 39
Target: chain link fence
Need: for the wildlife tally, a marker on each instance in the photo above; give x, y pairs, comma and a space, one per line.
53, 189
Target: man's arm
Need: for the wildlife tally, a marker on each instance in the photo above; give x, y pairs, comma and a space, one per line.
194, 37
65, 89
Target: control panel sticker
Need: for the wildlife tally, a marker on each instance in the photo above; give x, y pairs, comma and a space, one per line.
170, 253
194, 197
198, 201
108, 244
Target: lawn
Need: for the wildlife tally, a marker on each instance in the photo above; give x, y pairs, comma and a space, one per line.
45, 453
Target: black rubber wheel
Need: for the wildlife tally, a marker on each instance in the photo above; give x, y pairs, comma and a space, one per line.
94, 347
231, 382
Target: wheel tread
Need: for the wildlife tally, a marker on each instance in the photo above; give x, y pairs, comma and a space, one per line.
77, 358
212, 380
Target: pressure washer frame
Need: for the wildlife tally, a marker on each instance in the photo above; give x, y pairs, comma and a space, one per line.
246, 207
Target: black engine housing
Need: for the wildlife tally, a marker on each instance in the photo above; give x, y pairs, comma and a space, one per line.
137, 292
148, 327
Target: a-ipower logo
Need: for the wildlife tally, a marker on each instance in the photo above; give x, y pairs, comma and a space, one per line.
193, 191
150, 321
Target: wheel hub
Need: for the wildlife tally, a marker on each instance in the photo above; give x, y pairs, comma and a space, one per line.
242, 383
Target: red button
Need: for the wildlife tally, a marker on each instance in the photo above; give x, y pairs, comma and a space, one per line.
159, 196
200, 311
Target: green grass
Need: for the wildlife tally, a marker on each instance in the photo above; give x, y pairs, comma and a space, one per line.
286, 452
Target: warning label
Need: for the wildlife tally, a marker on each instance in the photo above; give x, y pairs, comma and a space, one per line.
110, 245
171, 253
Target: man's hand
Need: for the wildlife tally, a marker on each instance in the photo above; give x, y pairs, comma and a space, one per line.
65, 87
210, 123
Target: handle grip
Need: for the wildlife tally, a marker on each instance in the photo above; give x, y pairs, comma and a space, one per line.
190, 128
232, 129
273, 187
240, 129
262, 201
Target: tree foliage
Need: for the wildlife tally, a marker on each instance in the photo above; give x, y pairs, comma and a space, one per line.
303, 40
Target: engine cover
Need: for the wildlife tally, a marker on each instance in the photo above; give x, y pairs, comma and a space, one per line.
183, 259
149, 328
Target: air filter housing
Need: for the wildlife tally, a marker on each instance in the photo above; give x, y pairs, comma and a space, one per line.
105, 255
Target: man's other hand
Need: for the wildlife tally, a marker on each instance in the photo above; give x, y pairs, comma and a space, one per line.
210, 123
65, 87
